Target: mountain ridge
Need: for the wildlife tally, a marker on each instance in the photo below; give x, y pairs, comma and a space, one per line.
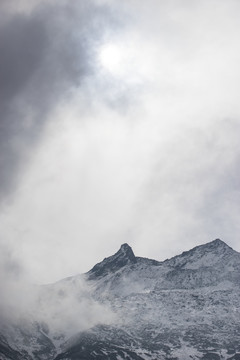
125, 256
183, 308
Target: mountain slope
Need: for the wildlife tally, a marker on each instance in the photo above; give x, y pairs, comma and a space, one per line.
186, 307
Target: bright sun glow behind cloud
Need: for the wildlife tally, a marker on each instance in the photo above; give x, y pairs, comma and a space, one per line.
123, 59
120, 59
111, 57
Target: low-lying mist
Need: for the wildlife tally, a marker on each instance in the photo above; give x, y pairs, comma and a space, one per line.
61, 309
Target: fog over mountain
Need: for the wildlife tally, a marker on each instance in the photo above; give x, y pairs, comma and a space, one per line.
119, 124
129, 307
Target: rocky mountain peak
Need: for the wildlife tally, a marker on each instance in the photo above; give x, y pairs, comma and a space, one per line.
124, 256
204, 255
218, 243
216, 247
127, 251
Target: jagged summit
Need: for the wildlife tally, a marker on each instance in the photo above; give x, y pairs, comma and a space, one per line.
201, 255
127, 251
122, 257
125, 246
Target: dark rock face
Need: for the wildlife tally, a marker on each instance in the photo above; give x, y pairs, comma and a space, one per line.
183, 308
7, 351
111, 264
103, 342
29, 342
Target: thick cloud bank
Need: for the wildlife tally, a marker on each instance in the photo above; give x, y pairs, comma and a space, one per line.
119, 123
46, 52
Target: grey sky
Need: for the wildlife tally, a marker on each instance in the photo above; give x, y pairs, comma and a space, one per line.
142, 148
44, 54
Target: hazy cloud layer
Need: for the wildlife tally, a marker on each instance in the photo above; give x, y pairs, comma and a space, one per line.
139, 146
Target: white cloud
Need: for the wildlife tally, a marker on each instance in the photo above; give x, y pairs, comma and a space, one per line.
150, 158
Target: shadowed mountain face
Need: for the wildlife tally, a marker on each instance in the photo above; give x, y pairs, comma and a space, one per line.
124, 256
186, 307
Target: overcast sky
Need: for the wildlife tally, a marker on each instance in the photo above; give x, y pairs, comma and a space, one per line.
120, 122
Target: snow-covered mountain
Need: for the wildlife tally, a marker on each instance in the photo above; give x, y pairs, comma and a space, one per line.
128, 307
